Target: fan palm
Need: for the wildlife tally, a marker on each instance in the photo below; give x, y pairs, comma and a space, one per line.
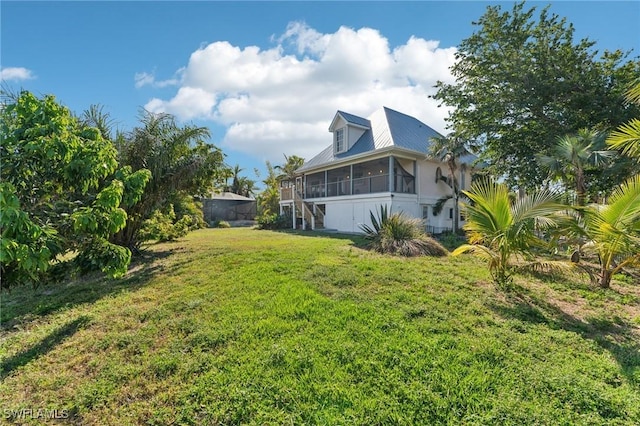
504, 232
627, 137
572, 155
613, 230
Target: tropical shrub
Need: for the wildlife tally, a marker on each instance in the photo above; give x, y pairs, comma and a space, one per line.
273, 221
62, 191
401, 235
505, 233
164, 226
182, 164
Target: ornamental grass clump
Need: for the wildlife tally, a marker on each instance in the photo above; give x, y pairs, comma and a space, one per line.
400, 235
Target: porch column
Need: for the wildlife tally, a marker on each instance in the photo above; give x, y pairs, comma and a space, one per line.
351, 179
415, 177
392, 180
293, 214
326, 184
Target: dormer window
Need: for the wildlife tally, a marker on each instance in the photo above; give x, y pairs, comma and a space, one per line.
339, 141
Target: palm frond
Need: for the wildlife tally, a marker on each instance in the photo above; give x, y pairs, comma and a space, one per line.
626, 138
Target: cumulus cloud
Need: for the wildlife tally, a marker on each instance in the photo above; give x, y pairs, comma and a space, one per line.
16, 74
281, 99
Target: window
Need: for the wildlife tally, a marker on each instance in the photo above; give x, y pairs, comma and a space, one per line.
340, 145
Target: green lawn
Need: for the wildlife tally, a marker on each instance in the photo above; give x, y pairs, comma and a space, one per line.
239, 326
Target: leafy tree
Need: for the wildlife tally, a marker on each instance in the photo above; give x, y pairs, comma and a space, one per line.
181, 164
572, 156
613, 230
505, 233
521, 82
627, 136
62, 191
450, 150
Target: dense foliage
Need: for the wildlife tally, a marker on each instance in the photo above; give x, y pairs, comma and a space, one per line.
182, 165
522, 82
62, 191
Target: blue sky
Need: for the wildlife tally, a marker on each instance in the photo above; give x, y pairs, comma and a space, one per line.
266, 77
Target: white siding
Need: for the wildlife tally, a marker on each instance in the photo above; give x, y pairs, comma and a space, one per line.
346, 215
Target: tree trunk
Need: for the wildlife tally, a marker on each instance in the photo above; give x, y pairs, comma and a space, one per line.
605, 278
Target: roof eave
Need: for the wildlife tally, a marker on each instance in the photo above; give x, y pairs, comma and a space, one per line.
351, 159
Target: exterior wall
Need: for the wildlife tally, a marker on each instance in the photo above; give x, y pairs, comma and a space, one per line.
431, 191
346, 214
353, 134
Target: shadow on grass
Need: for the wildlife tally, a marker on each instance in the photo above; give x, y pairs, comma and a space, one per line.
357, 240
615, 336
45, 345
26, 303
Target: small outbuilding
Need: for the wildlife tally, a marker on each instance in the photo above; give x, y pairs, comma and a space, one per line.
228, 206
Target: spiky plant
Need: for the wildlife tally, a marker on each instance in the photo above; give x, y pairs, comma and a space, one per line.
401, 235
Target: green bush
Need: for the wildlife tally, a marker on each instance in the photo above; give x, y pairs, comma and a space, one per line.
222, 224
273, 221
401, 235
164, 227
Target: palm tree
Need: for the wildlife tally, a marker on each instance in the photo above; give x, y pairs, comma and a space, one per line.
572, 155
179, 159
627, 137
235, 182
613, 230
288, 169
505, 232
449, 150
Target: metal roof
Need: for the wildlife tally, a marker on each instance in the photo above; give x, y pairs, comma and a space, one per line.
387, 128
354, 119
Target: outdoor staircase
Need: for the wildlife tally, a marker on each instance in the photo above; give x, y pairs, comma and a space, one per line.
312, 216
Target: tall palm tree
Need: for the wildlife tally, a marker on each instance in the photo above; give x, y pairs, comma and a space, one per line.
449, 150
504, 232
627, 137
613, 230
572, 155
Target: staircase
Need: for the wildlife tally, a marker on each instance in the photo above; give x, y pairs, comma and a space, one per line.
312, 216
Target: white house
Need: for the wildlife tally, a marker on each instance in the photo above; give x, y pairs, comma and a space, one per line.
382, 160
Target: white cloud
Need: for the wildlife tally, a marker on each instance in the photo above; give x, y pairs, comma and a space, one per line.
16, 74
149, 79
282, 99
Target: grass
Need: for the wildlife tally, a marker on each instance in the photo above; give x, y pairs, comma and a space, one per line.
239, 326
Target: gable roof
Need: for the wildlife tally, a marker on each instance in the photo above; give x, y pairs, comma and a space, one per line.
350, 119
386, 128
